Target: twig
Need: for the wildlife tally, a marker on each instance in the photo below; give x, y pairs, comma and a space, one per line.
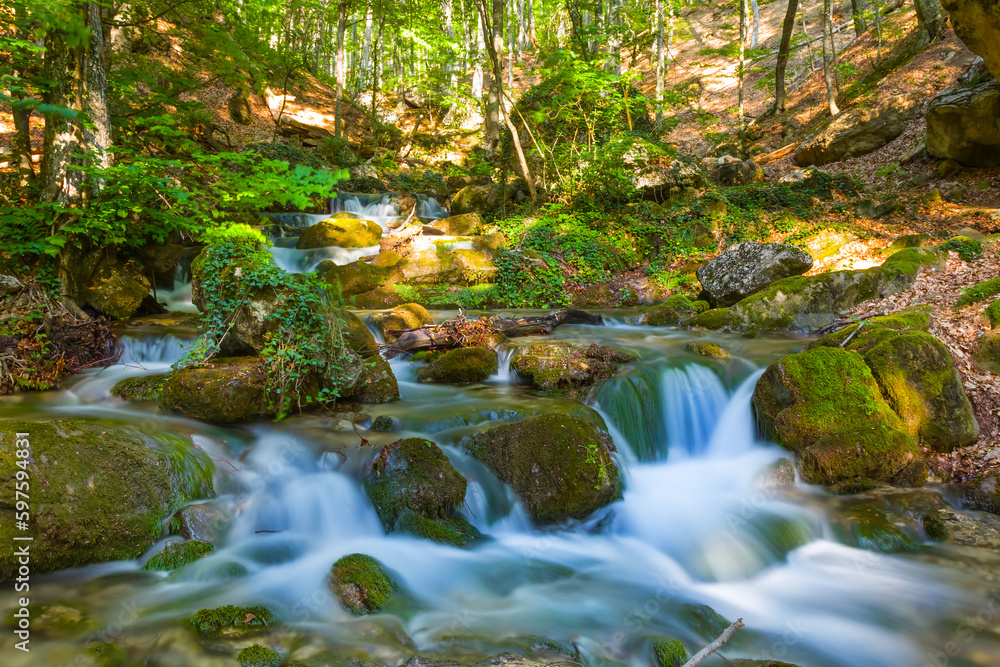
715, 645
219, 459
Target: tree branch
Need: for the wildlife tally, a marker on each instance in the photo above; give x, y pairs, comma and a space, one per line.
715, 645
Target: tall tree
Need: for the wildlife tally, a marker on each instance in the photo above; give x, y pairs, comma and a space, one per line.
659, 59
930, 18
494, 47
858, 15
340, 66
784, 48
756, 24
828, 55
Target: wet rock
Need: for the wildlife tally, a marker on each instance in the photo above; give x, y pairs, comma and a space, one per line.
464, 364
231, 622
117, 289
865, 526
142, 388
982, 494
465, 224
178, 554
226, 390
674, 310
737, 173
400, 318
668, 651
413, 475
356, 335
961, 124
256, 655
825, 405
385, 424
777, 474
340, 232
560, 467
377, 384
452, 530
359, 277
859, 131
204, 522
709, 350
99, 493
59, 620
361, 583
563, 367
746, 268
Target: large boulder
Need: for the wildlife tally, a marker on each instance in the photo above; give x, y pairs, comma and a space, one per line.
98, 492
117, 289
859, 131
464, 364
563, 367
342, 232
746, 268
451, 267
825, 405
359, 276
400, 318
738, 172
415, 490
659, 181
361, 583
560, 467
480, 198
377, 383
465, 224
916, 376
963, 124
977, 24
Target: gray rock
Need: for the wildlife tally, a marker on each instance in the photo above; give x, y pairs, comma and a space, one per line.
208, 521
859, 131
746, 268
9, 284
661, 182
964, 124
737, 173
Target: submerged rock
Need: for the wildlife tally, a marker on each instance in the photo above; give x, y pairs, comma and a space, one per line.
563, 367
746, 268
231, 622
341, 232
178, 554
99, 493
203, 522
256, 655
560, 467
825, 405
361, 583
865, 526
673, 310
142, 388
464, 364
377, 383
224, 391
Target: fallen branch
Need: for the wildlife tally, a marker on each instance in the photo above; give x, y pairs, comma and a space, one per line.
776, 155
715, 645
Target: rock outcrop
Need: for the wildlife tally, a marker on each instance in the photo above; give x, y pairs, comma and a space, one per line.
746, 268
977, 24
963, 124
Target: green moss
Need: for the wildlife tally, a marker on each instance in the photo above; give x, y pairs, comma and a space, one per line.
384, 424
709, 350
825, 405
673, 310
716, 318
356, 335
979, 292
377, 384
560, 467
464, 364
400, 318
701, 306
99, 492
143, 388
992, 314
258, 656
987, 353
224, 391
965, 247
56, 619
231, 621
704, 620
360, 277
426, 356
452, 530
909, 241
178, 554
867, 527
911, 318
344, 233
361, 583
668, 652
566, 368
413, 474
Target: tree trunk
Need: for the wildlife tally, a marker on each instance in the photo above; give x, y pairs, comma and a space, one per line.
783, 51
858, 14
741, 69
366, 52
831, 92
494, 47
930, 18
659, 59
340, 67
477, 58
613, 24
756, 24
78, 83
449, 32
22, 122
511, 41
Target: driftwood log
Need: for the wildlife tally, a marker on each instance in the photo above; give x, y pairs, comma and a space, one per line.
453, 332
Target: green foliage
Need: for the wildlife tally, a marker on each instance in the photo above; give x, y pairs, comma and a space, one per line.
964, 247
178, 554
362, 583
213, 622
258, 656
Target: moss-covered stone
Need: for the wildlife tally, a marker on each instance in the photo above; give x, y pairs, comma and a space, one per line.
142, 388
463, 364
377, 383
426, 356
400, 318
258, 656
232, 622
560, 467
966, 248
562, 367
865, 526
361, 583
178, 554
909, 241
98, 492
987, 352
413, 474
441, 266
674, 310
668, 652
463, 224
58, 620
918, 318
708, 350
453, 530
356, 335
223, 391
715, 318
340, 232
359, 277
992, 314
825, 405
979, 292
117, 289
385, 424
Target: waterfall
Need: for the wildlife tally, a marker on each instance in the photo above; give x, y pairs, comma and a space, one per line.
153, 351
429, 209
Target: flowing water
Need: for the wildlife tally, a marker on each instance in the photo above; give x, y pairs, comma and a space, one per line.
693, 528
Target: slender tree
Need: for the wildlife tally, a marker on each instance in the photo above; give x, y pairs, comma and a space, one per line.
858, 15
659, 59
784, 48
756, 24
930, 19
339, 64
831, 88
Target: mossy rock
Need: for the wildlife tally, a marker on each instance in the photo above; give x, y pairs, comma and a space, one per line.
359, 277
340, 232
674, 310
979, 292
982, 494
560, 467
203, 522
258, 656
918, 318
452, 530
59, 620
987, 352
668, 652
825, 405
967, 249
377, 383
99, 492
400, 318
223, 391
992, 314
714, 318
463, 224
413, 474
463, 364
231, 622
356, 335
385, 424
178, 554
708, 350
865, 526
426, 356
441, 266
142, 388
361, 583
117, 290
909, 241
562, 367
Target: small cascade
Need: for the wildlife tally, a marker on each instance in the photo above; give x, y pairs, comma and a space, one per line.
633, 402
504, 354
380, 208
293, 260
375, 331
177, 298
297, 220
693, 399
153, 351
428, 208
